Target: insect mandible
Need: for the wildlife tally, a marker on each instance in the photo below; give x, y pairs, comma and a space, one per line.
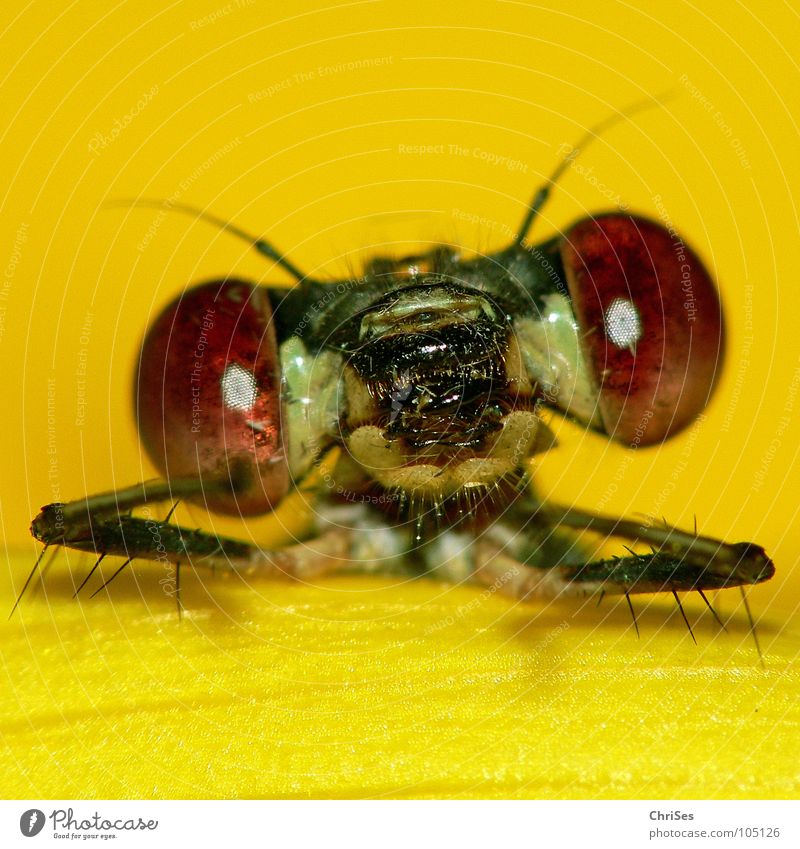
425, 379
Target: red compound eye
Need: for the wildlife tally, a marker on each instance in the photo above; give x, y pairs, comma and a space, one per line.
208, 395
651, 323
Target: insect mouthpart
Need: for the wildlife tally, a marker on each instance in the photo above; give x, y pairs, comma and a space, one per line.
430, 393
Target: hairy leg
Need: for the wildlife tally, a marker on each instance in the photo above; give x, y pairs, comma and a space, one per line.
524, 550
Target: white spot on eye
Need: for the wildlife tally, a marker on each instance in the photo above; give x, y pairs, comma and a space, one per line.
239, 388
553, 317
623, 323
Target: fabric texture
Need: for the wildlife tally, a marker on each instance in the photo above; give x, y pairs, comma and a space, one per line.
362, 687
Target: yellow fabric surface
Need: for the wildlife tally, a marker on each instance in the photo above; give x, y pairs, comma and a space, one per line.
364, 687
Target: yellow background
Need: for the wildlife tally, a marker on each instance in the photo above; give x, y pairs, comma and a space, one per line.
371, 687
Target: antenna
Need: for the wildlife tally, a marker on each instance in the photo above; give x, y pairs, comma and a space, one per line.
263, 247
542, 194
